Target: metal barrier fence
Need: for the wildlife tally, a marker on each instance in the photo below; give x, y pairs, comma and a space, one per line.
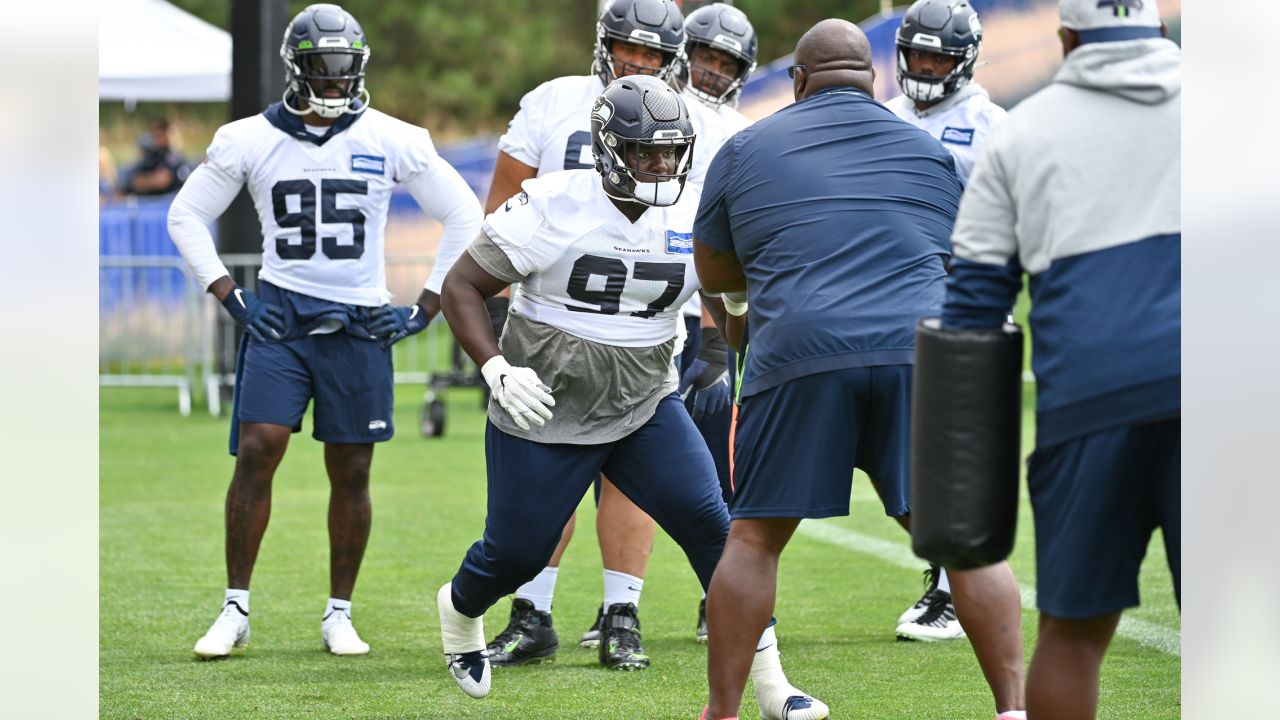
157, 328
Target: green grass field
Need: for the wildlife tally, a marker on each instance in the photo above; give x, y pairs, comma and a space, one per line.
842, 584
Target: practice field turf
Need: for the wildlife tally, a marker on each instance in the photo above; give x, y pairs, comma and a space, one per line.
842, 584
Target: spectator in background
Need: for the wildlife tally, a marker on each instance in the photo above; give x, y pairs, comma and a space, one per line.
1080, 190
106, 176
161, 170
833, 215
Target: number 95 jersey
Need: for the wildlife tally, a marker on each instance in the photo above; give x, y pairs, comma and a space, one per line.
322, 200
589, 271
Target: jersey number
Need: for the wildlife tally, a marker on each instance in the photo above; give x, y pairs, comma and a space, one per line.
577, 151
614, 271
305, 218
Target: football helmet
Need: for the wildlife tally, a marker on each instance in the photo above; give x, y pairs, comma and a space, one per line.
325, 47
945, 27
653, 23
725, 28
637, 114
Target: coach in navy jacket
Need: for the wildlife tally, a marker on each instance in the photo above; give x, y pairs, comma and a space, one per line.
834, 216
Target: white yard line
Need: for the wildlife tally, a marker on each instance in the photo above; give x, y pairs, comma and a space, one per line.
899, 554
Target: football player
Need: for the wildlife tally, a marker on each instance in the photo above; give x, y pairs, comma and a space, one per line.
938, 44
582, 381
551, 132
320, 166
720, 49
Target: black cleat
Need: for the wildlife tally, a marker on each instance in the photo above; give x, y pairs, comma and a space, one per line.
620, 639
528, 638
701, 633
591, 638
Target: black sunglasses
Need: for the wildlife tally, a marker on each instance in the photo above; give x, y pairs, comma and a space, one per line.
791, 70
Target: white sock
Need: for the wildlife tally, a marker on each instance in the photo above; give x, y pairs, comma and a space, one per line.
239, 597
621, 588
1012, 715
944, 582
541, 590
335, 609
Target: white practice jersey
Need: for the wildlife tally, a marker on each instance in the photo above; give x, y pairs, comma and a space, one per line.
590, 272
552, 130
962, 123
323, 208
731, 121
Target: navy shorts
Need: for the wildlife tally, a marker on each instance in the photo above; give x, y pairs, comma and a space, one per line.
349, 378
796, 445
662, 466
1097, 499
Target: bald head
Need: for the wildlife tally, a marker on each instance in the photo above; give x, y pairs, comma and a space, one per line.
834, 53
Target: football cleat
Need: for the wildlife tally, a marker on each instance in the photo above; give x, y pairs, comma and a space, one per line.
463, 639
931, 576
619, 647
591, 638
528, 638
339, 635
472, 672
937, 623
231, 629
700, 633
777, 698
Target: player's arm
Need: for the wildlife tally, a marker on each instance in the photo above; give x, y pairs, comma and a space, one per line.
517, 389
732, 327
508, 174
445, 197
203, 199
985, 271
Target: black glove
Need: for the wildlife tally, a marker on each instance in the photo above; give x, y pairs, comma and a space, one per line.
397, 323
707, 379
262, 320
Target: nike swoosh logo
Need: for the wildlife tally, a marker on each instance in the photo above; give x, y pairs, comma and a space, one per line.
240, 298
413, 313
766, 647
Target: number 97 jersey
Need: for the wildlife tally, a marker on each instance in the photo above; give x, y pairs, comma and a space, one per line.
323, 204
589, 271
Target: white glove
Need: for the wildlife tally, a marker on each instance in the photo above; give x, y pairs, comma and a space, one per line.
735, 303
519, 391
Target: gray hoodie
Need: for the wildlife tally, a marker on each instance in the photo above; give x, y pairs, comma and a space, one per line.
1080, 187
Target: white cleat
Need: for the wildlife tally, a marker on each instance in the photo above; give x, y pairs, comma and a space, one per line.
230, 630
937, 623
777, 697
463, 639
339, 635
797, 705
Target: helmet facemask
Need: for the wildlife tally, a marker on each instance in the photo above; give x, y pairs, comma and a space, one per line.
711, 87
312, 72
921, 87
606, 65
623, 160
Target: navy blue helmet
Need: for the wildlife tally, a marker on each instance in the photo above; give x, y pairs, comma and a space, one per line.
944, 27
652, 23
634, 116
325, 55
725, 28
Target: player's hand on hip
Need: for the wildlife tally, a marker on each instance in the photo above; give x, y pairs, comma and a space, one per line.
262, 320
396, 323
519, 391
